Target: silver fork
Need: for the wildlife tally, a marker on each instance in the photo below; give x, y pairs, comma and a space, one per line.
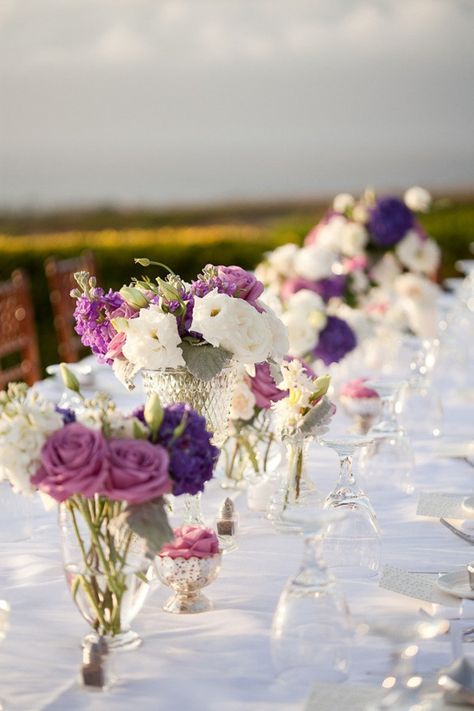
469, 538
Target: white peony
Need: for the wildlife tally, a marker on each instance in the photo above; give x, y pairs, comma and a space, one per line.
343, 202
354, 238
153, 340
418, 199
418, 255
243, 402
386, 270
315, 262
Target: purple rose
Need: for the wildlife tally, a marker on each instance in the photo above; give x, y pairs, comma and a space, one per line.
264, 387
137, 471
389, 221
335, 340
72, 462
247, 287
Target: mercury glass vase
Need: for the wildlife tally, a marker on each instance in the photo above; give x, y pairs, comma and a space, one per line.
187, 577
209, 398
107, 571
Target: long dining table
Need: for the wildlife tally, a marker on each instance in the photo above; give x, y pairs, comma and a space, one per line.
220, 660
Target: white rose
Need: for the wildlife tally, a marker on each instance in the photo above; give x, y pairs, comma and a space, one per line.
329, 235
153, 340
309, 306
302, 335
282, 259
343, 202
243, 402
354, 238
248, 335
279, 333
315, 262
418, 199
418, 255
386, 270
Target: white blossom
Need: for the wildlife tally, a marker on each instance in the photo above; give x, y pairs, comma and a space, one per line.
343, 202
354, 238
417, 254
153, 340
418, 199
315, 262
243, 401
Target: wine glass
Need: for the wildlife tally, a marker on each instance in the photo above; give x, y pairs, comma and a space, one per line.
351, 545
389, 461
404, 688
420, 408
311, 630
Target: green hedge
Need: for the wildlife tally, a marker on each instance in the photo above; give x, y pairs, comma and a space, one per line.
186, 250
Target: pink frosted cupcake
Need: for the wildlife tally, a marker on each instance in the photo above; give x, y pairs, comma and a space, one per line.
361, 403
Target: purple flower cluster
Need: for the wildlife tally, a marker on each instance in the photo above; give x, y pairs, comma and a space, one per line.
389, 221
335, 340
326, 288
92, 315
192, 456
67, 414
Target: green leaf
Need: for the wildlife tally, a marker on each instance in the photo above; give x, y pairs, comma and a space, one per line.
149, 521
204, 362
318, 416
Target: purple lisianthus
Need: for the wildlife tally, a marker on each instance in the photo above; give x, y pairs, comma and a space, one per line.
326, 288
92, 314
192, 456
389, 221
264, 388
335, 340
247, 286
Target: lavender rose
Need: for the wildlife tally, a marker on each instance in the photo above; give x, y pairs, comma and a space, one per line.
137, 471
264, 387
72, 462
247, 287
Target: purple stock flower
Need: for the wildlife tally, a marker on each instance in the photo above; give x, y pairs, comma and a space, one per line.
389, 221
67, 414
335, 340
192, 456
93, 314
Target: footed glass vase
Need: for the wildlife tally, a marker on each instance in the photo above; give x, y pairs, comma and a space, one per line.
107, 570
209, 398
296, 489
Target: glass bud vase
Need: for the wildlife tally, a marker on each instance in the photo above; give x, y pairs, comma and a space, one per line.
296, 489
209, 398
107, 570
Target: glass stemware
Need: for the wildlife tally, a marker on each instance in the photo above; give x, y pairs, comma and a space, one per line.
404, 688
389, 461
420, 408
351, 545
311, 630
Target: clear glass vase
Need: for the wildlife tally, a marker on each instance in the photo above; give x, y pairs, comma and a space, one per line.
210, 398
296, 489
107, 570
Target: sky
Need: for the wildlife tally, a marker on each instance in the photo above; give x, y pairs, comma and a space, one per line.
169, 102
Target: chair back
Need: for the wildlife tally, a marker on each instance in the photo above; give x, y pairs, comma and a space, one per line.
19, 352
60, 276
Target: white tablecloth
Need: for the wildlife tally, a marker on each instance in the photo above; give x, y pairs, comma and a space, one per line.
219, 660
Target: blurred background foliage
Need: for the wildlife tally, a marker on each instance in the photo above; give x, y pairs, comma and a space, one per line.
185, 240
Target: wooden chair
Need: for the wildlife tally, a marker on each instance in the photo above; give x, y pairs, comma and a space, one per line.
19, 353
60, 276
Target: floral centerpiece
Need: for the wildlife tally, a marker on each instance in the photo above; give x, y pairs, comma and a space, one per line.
305, 412
110, 473
370, 253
